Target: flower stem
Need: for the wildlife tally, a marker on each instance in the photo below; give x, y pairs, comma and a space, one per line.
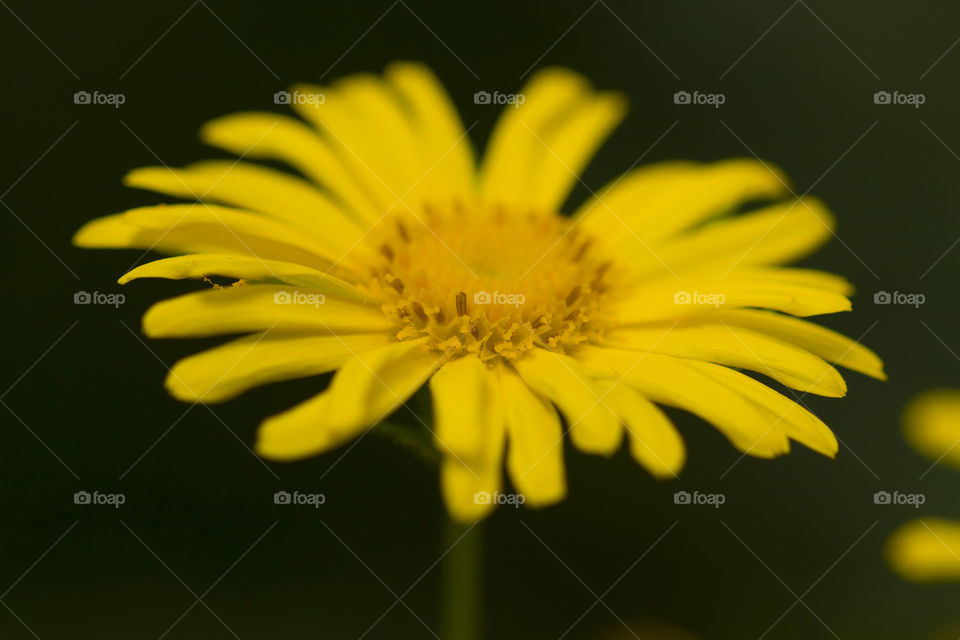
460, 614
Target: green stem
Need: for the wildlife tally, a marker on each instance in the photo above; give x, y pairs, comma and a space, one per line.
460, 615
411, 438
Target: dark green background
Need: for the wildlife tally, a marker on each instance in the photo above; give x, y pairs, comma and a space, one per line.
199, 499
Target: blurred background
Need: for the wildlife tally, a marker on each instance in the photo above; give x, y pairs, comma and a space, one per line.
200, 550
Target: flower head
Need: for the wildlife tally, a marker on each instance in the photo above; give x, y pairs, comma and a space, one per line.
928, 549
398, 260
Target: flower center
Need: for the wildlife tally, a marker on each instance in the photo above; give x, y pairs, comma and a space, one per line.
493, 282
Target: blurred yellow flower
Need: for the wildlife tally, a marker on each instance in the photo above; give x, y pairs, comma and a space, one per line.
398, 259
929, 548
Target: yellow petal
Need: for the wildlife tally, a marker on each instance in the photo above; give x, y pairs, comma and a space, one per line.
678, 383
446, 147
737, 347
247, 268
535, 442
468, 491
203, 228
515, 148
926, 550
931, 423
654, 442
469, 430
829, 345
776, 234
224, 372
388, 127
465, 407
671, 298
660, 200
811, 278
254, 188
370, 386
570, 144
593, 427
258, 308
270, 136
364, 126
798, 423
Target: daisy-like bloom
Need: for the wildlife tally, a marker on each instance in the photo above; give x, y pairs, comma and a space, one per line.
928, 549
397, 260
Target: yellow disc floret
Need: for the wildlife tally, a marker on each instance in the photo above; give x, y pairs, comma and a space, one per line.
493, 282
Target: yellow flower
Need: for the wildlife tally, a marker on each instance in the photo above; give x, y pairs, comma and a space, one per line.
929, 548
398, 260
